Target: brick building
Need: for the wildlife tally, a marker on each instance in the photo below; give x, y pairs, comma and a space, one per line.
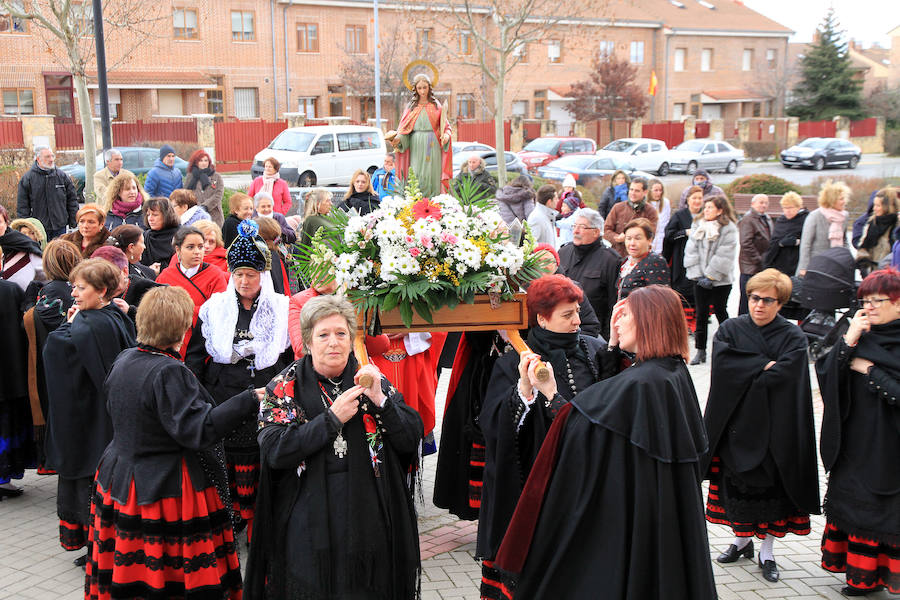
255, 59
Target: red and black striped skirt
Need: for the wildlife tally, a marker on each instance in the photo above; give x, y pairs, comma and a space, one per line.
243, 480
492, 585
716, 513
868, 563
172, 548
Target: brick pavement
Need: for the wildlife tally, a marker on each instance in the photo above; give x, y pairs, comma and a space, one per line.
32, 565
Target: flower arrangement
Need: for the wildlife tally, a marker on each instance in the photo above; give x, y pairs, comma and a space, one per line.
420, 254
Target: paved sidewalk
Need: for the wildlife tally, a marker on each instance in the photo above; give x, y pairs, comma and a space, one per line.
32, 565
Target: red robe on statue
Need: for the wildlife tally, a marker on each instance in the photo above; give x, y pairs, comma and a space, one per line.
206, 282
414, 376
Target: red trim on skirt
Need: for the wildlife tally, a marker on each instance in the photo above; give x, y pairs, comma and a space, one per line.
715, 513
492, 588
72, 536
171, 548
243, 480
868, 563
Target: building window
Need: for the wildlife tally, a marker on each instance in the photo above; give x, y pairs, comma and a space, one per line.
242, 29
520, 107
540, 103
706, 59
246, 103
465, 106
680, 58
184, 21
83, 17
423, 40
554, 51
772, 58
113, 96
18, 101
637, 53
307, 105
520, 51
465, 43
606, 48
356, 39
10, 24
770, 107
757, 109
678, 111
60, 96
335, 100
215, 98
747, 60
307, 37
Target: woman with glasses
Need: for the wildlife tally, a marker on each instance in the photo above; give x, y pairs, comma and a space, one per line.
761, 464
860, 384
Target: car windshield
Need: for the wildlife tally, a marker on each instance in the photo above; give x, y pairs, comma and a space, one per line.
545, 145
620, 146
691, 146
813, 143
572, 162
297, 141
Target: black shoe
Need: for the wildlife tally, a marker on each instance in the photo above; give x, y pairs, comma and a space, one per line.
732, 554
699, 358
770, 570
80, 561
10, 493
849, 590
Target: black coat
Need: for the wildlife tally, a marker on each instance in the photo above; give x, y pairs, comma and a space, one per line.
15, 369
229, 229
158, 247
482, 182
784, 247
674, 243
861, 435
77, 358
161, 416
617, 485
364, 202
596, 268
48, 196
753, 413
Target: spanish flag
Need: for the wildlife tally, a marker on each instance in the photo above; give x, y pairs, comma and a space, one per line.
653, 83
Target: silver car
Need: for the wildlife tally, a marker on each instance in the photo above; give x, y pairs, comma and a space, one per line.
711, 155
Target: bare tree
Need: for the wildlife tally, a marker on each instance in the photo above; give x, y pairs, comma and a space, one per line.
777, 83
66, 30
609, 93
500, 31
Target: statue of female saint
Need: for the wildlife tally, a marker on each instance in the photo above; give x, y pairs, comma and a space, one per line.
422, 141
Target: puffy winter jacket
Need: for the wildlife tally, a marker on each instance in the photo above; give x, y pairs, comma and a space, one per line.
48, 196
162, 180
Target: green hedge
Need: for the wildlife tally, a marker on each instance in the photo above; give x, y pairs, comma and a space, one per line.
760, 183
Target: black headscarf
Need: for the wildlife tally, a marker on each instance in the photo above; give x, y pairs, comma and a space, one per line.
14, 242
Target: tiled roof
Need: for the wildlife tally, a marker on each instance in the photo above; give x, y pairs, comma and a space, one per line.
154, 78
734, 95
694, 15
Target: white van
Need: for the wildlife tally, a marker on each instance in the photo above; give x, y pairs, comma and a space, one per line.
323, 155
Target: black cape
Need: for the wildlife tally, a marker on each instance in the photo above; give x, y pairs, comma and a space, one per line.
510, 452
860, 439
613, 508
17, 451
77, 358
752, 412
158, 247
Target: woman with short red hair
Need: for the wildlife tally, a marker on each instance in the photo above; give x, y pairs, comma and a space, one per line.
516, 414
617, 478
207, 185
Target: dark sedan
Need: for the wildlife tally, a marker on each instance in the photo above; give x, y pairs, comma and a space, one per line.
587, 168
136, 159
818, 153
514, 164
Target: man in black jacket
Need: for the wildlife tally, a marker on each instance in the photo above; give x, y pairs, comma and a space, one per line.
47, 194
589, 262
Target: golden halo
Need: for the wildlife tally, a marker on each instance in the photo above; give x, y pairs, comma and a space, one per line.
416, 63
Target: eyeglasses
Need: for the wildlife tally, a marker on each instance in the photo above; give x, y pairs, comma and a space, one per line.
874, 302
764, 299
577, 227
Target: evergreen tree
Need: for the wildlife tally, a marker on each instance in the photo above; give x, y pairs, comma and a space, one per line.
828, 86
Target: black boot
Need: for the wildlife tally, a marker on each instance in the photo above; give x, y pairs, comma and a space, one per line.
733, 553
699, 358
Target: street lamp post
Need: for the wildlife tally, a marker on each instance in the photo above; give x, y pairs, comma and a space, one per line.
377, 70
101, 76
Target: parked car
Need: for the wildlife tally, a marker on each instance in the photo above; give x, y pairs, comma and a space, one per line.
646, 154
818, 153
711, 155
540, 151
463, 150
587, 168
513, 163
323, 155
136, 159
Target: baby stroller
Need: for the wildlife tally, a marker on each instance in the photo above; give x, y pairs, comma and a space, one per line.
829, 289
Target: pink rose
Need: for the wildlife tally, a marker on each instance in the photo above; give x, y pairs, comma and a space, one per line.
425, 241
448, 238
414, 252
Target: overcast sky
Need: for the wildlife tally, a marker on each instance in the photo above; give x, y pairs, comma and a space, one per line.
864, 20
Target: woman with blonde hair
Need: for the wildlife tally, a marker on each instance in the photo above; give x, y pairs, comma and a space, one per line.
213, 245
91, 234
878, 235
826, 226
124, 201
784, 247
360, 196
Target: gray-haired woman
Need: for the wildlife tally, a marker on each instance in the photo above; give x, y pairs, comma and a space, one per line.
315, 210
335, 514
